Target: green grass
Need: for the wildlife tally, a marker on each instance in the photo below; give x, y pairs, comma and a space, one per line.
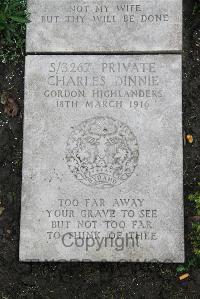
194, 260
13, 19
195, 237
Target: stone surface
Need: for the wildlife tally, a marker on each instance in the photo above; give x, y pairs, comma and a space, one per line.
102, 162
104, 26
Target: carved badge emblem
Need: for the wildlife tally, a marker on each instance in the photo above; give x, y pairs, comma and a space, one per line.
102, 152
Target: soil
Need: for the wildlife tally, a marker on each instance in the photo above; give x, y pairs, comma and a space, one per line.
95, 280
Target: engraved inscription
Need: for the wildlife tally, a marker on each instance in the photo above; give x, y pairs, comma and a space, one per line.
104, 26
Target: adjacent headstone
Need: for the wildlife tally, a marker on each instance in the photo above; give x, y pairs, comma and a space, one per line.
104, 26
102, 162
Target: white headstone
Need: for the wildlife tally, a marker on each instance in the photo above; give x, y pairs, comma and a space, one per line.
102, 162
104, 26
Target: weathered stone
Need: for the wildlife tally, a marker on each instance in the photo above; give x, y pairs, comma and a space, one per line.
104, 26
102, 168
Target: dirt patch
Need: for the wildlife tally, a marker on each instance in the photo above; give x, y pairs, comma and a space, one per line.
28, 280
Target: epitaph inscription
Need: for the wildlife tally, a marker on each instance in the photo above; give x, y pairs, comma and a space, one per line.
105, 25
102, 162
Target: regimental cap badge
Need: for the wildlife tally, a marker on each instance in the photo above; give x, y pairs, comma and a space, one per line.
102, 152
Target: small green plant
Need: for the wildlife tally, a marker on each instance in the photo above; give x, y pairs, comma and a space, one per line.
196, 8
195, 198
13, 18
194, 260
195, 237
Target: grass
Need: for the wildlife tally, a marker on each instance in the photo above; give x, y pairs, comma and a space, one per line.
194, 260
13, 19
195, 237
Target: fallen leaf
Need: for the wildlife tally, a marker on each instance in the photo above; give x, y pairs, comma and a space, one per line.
1, 210
11, 107
194, 219
4, 97
184, 276
189, 138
